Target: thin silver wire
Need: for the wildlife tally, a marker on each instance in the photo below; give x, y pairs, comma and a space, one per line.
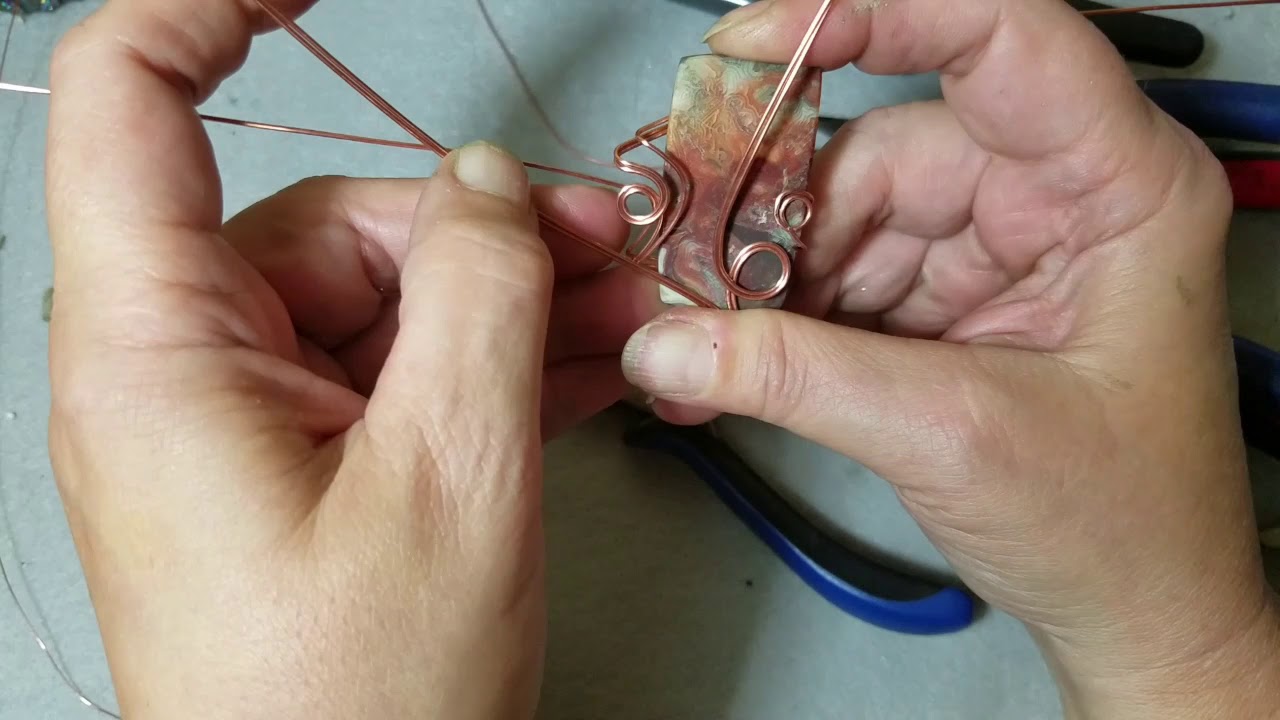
8, 35
4, 570
44, 647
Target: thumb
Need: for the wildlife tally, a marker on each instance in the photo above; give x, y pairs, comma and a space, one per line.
463, 376
891, 403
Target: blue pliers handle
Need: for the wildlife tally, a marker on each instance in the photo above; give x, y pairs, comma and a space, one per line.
861, 587
872, 592
1222, 109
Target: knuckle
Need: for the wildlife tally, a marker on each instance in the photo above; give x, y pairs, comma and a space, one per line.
67, 56
1211, 186
314, 186
771, 368
877, 122
107, 388
71, 44
500, 251
76, 391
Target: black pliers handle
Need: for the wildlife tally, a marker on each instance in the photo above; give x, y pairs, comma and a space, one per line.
1141, 38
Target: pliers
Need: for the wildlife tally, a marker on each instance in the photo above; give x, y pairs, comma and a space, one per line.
875, 593
1235, 111
868, 590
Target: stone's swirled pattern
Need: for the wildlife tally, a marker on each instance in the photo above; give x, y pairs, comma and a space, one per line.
717, 106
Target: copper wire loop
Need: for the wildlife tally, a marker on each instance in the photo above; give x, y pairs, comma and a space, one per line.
782, 213
662, 218
735, 292
324, 56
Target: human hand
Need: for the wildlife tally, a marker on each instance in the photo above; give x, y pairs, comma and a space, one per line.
1050, 389
300, 452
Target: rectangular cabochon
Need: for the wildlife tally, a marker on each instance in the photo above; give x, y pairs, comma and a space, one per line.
718, 105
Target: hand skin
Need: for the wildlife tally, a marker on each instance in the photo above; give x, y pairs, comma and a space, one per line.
1050, 389
300, 452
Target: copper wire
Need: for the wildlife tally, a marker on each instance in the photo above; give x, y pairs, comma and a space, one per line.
655, 196
343, 72
730, 275
378, 101
330, 135
350, 78
661, 219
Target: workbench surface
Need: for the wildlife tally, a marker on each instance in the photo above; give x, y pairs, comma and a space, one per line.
663, 606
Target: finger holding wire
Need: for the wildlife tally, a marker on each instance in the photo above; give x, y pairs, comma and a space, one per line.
133, 193
332, 250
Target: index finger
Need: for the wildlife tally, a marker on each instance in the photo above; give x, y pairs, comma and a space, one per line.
1027, 78
133, 193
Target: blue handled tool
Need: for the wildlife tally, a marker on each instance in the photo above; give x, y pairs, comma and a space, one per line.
857, 585
865, 589
1221, 109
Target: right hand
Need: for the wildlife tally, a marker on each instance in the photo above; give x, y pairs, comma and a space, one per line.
1026, 334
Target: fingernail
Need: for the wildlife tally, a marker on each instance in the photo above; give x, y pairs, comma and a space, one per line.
669, 358
481, 166
738, 17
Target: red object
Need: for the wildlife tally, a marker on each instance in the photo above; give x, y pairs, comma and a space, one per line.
1255, 183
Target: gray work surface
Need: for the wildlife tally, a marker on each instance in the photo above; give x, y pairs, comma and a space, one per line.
663, 606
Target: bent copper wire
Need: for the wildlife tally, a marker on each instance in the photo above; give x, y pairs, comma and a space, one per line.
349, 77
659, 196
730, 275
426, 142
330, 135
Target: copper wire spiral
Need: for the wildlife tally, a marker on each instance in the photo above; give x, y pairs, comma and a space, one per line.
668, 198
661, 218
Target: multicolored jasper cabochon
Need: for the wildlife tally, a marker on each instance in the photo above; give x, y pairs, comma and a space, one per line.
718, 106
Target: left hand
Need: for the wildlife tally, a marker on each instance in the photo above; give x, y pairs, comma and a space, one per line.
300, 452
321, 262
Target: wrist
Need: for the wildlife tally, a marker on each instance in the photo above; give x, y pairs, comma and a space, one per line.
1236, 677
